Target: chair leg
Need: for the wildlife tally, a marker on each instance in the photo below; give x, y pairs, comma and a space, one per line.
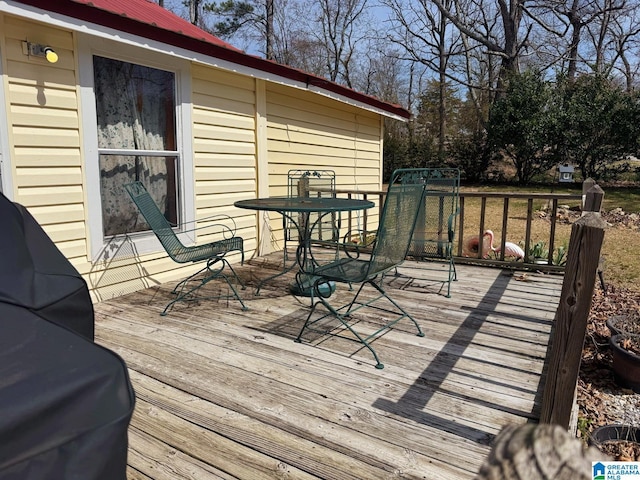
180, 285
235, 292
343, 317
218, 273
395, 304
182, 295
271, 277
453, 276
235, 275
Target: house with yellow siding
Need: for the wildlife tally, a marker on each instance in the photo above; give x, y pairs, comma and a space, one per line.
98, 93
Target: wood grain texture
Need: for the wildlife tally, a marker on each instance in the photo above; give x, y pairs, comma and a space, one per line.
542, 451
224, 393
570, 324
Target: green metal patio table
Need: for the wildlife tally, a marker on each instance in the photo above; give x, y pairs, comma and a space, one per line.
288, 206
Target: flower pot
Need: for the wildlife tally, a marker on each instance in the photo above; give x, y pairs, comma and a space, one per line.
618, 324
626, 364
615, 433
615, 440
612, 324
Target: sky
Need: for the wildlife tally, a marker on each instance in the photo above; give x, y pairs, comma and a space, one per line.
380, 14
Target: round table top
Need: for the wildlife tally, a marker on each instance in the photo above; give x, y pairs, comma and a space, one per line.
304, 204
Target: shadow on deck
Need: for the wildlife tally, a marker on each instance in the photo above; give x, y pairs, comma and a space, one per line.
224, 393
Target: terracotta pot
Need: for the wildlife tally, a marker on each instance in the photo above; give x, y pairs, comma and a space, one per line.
626, 365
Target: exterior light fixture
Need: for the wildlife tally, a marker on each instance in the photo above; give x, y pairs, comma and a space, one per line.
38, 50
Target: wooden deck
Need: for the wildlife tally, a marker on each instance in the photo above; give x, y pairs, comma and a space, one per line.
226, 393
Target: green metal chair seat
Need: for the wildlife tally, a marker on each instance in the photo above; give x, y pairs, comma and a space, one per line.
183, 254
403, 201
212, 253
350, 270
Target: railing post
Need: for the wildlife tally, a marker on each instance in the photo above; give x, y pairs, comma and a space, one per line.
586, 186
570, 323
593, 200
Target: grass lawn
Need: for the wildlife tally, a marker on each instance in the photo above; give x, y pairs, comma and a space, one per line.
621, 248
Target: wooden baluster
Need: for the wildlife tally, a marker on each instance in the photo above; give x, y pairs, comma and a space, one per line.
527, 234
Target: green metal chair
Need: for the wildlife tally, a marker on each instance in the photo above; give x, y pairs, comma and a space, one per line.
389, 248
306, 183
212, 253
434, 234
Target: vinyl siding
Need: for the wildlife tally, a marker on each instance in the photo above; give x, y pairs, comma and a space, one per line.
49, 173
224, 171
310, 131
43, 123
224, 146
306, 130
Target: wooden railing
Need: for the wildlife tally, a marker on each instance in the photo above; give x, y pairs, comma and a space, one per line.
365, 221
473, 210
570, 323
551, 202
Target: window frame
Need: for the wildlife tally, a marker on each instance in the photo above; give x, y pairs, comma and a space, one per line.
144, 242
6, 179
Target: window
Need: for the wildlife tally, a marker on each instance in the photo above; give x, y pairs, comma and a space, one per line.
136, 130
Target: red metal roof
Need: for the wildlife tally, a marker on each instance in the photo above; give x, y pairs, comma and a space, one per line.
146, 11
147, 19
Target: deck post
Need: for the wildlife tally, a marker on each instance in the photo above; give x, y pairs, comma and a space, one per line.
593, 200
570, 323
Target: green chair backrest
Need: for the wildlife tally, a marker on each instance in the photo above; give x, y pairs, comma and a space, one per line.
404, 198
319, 184
435, 227
157, 221
316, 183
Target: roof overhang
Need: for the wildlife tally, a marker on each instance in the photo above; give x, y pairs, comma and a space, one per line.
86, 18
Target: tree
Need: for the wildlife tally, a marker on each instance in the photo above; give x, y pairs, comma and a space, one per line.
236, 16
598, 128
614, 40
194, 11
471, 18
337, 26
569, 20
435, 102
521, 123
625, 34
425, 35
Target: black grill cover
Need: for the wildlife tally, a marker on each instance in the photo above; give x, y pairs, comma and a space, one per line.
35, 275
65, 402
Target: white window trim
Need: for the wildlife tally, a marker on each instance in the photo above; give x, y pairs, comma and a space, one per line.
89, 46
6, 172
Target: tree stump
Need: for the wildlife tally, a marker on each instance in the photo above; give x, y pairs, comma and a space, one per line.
532, 452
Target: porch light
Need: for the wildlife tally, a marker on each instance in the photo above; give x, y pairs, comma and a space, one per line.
38, 50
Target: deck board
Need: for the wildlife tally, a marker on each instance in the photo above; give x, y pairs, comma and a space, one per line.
225, 393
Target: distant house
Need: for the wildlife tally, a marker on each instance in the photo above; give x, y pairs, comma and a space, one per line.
100, 92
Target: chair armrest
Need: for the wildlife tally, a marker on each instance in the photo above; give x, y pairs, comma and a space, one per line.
220, 223
352, 249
